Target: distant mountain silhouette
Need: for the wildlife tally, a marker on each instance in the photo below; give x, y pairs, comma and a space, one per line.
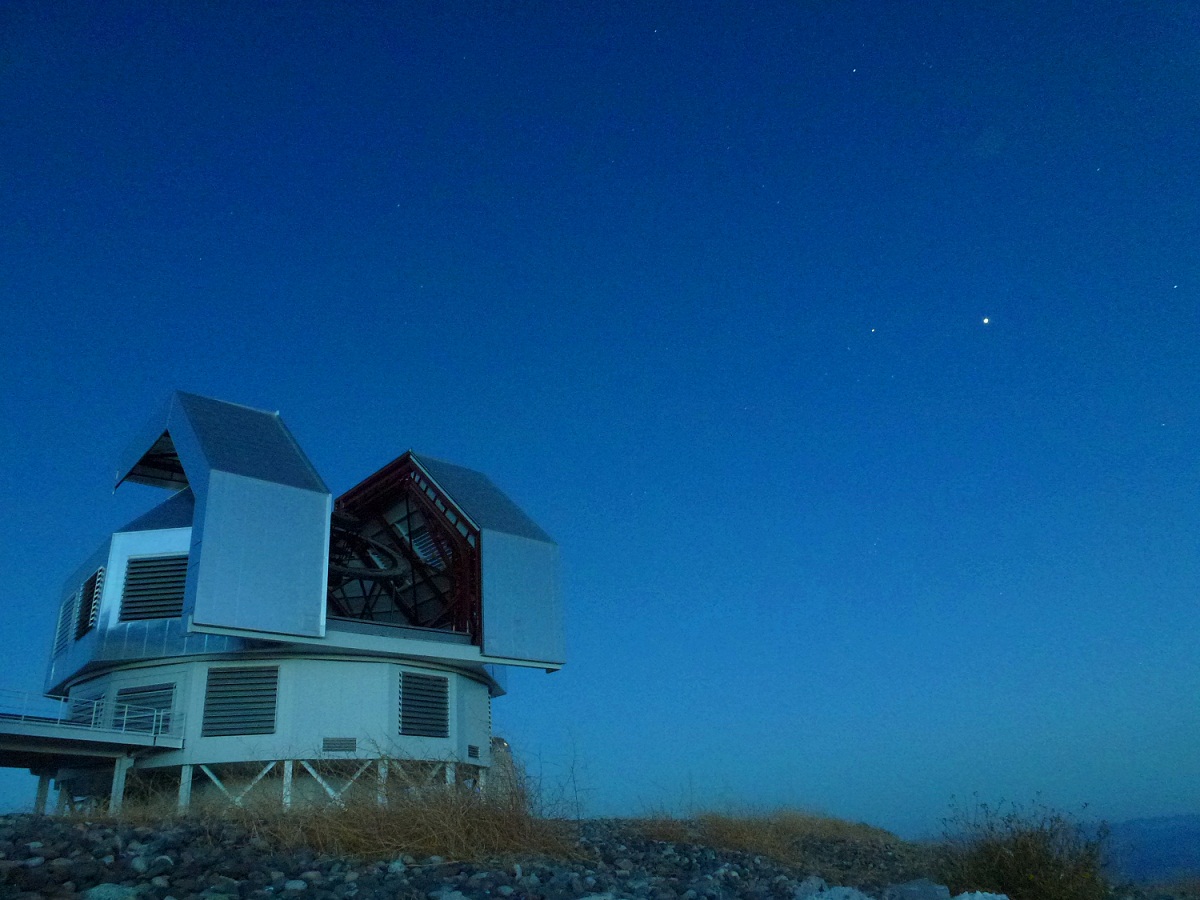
1157, 849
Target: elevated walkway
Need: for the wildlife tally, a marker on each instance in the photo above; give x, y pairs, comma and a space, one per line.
44, 734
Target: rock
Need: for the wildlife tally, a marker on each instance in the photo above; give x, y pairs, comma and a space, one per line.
920, 889
295, 884
809, 886
623, 865
396, 867
108, 891
981, 895
842, 893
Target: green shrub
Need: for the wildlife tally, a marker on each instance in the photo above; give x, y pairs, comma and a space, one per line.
1028, 853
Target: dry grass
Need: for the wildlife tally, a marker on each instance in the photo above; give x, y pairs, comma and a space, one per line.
452, 823
418, 818
1028, 853
839, 851
773, 834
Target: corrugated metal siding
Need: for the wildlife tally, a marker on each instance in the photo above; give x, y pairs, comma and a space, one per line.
240, 701
154, 588
424, 705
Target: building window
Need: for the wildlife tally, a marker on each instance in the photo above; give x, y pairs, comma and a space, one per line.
154, 588
89, 603
144, 708
240, 701
424, 705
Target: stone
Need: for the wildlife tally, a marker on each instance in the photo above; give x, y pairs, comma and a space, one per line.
981, 895
108, 891
295, 884
842, 893
919, 889
623, 865
396, 867
809, 886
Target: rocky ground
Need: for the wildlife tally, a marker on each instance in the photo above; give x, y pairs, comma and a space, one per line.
46, 857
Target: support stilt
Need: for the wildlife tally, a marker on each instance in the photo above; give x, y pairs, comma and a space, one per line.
381, 788
287, 784
43, 793
121, 766
185, 787
451, 772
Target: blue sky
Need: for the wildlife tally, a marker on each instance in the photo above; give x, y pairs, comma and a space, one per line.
703, 286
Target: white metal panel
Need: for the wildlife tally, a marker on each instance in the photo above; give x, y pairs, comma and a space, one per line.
260, 552
522, 606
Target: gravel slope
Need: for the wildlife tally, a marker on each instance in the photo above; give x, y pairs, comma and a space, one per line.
46, 857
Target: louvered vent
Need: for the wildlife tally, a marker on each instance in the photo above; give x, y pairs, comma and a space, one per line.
339, 745
145, 708
424, 705
62, 634
154, 588
86, 710
472, 751
240, 701
89, 603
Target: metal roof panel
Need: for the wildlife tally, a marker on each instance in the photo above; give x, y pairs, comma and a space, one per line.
487, 505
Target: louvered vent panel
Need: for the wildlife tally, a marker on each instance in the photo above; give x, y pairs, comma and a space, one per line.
142, 708
62, 634
89, 603
154, 588
472, 751
339, 745
424, 705
240, 701
86, 709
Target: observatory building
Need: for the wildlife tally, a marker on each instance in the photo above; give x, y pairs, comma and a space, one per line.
253, 635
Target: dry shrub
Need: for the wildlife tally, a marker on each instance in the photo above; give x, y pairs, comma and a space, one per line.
1028, 853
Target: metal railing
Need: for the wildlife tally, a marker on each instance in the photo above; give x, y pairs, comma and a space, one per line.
87, 714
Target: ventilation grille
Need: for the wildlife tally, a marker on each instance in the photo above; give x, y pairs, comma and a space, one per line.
89, 603
240, 701
145, 708
424, 705
154, 588
62, 634
472, 751
339, 745
86, 710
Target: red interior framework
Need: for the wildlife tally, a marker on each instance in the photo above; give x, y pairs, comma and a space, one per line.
402, 553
